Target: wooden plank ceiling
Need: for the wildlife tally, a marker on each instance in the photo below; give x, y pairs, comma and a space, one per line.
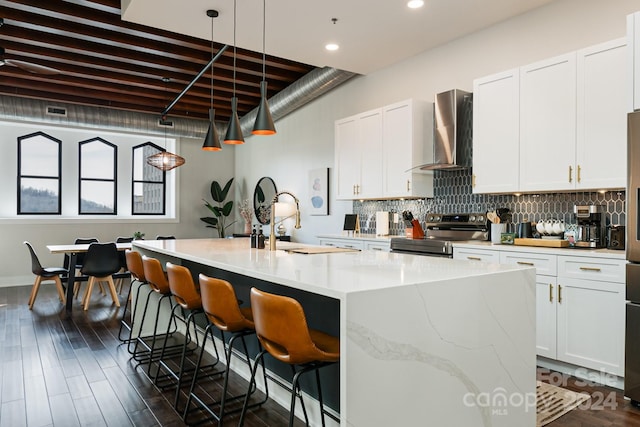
104, 61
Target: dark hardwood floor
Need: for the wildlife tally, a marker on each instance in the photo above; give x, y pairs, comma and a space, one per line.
57, 370
64, 371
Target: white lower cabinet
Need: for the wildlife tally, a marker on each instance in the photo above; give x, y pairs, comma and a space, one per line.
485, 255
342, 243
591, 313
580, 307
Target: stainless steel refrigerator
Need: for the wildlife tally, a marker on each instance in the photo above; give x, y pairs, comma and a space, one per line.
632, 330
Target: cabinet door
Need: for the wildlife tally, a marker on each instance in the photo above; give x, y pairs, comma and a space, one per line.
370, 128
546, 316
548, 124
601, 116
343, 243
633, 40
591, 323
496, 133
347, 152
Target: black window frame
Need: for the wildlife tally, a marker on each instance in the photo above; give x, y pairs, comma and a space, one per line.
134, 181
20, 176
114, 180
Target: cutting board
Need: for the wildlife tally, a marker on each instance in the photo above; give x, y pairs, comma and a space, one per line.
549, 243
322, 250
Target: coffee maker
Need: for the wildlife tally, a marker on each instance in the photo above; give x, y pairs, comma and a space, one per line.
591, 226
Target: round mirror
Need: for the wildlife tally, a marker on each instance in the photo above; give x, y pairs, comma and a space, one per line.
263, 194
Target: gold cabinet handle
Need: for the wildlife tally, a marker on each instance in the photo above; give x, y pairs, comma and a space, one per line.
408, 185
550, 292
473, 180
590, 269
579, 170
474, 258
559, 294
353, 190
525, 263
358, 188
570, 174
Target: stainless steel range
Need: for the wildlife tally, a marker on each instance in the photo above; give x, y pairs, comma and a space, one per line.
441, 231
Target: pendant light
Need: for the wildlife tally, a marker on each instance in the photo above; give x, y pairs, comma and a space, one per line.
165, 160
212, 140
264, 122
234, 131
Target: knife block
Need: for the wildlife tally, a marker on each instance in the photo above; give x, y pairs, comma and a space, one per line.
414, 232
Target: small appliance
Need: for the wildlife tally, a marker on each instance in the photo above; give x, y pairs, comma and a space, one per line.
591, 226
616, 237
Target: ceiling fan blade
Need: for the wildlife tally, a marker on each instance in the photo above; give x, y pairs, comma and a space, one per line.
32, 68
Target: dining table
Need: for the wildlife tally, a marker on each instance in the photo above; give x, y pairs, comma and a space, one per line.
73, 250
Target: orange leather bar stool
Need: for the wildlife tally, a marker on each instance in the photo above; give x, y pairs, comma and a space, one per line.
147, 347
282, 330
187, 299
223, 312
133, 264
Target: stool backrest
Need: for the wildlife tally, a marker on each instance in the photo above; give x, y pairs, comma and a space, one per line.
182, 287
282, 328
165, 237
220, 304
101, 260
134, 264
154, 274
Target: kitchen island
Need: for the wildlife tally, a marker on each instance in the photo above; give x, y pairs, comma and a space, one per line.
424, 341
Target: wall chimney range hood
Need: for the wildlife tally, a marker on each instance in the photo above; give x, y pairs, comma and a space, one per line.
452, 142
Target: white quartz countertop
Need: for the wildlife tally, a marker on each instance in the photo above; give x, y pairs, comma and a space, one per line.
584, 252
334, 274
361, 236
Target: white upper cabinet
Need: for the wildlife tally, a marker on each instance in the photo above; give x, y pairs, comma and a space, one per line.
633, 40
376, 150
358, 155
496, 133
602, 115
548, 124
568, 111
404, 141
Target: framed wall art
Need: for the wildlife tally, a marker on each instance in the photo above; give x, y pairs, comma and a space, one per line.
319, 191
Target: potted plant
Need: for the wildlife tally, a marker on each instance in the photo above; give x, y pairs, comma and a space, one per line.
138, 235
219, 207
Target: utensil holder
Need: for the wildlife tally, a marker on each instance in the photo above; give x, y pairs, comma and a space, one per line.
496, 232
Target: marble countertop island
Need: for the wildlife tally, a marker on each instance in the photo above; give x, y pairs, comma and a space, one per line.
424, 341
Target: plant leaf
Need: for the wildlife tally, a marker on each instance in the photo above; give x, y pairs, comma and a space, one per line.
225, 191
226, 209
216, 192
210, 220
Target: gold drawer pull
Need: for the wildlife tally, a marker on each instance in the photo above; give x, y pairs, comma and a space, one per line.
590, 269
474, 258
376, 249
525, 263
550, 292
570, 174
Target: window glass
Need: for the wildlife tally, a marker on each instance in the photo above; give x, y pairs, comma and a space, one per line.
149, 183
39, 174
97, 160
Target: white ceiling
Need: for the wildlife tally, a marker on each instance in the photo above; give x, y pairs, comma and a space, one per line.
372, 33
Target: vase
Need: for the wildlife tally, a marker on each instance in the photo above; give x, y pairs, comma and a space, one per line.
247, 227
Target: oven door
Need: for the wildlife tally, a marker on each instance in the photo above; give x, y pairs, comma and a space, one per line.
424, 247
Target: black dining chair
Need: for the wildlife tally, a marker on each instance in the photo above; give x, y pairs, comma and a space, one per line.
100, 263
79, 259
44, 274
159, 237
122, 273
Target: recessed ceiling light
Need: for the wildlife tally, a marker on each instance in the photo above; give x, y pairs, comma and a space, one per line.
331, 46
415, 4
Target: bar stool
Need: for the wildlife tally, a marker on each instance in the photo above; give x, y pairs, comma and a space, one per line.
155, 276
282, 329
133, 262
187, 297
223, 312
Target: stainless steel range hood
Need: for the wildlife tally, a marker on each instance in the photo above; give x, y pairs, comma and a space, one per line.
452, 142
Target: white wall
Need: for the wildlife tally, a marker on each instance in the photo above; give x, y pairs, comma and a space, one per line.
305, 137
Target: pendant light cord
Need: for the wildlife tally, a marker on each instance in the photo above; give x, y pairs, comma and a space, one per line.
264, 26
235, 3
212, 62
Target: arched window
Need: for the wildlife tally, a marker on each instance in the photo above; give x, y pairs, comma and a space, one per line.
148, 195
39, 174
98, 184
